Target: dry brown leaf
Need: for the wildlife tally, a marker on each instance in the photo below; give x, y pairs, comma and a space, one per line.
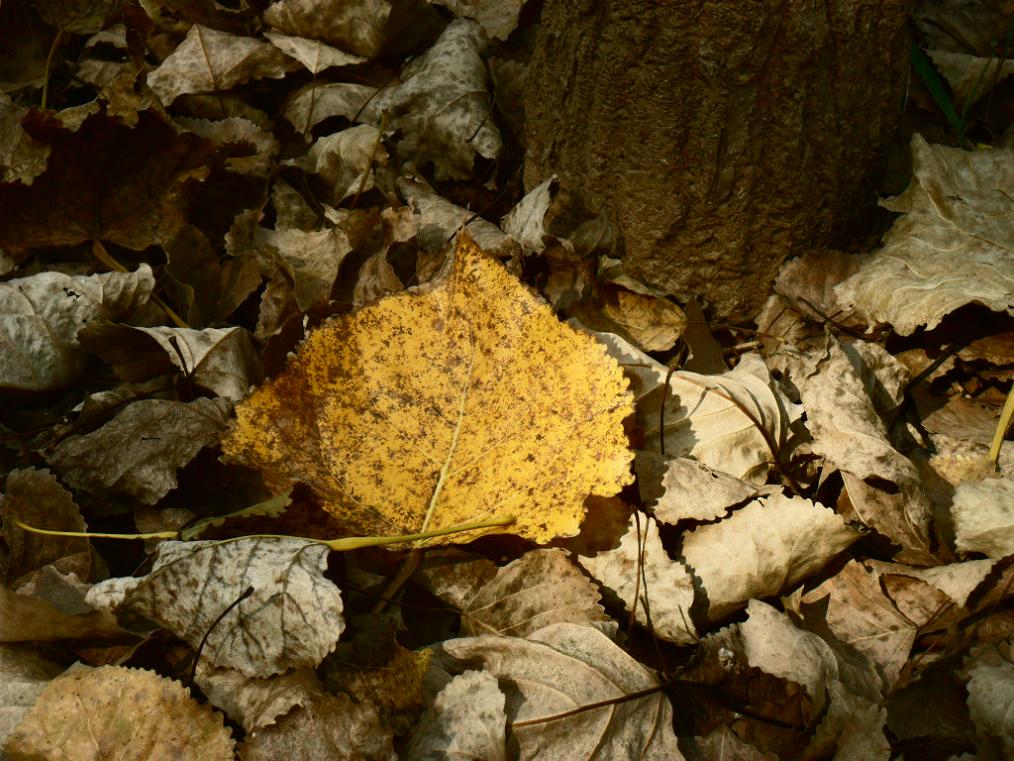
41, 315
768, 546
291, 619
327, 728
353, 25
22, 158
953, 246
114, 712
310, 260
524, 222
220, 360
255, 703
853, 606
313, 54
234, 131
209, 60
983, 513
643, 575
24, 673
684, 489
455, 576
970, 76
541, 587
35, 497
564, 666
25, 618
375, 280
467, 720
345, 161
139, 451
442, 105
991, 694
317, 101
498, 18
460, 401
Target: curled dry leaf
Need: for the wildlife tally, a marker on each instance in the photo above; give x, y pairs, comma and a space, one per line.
541, 587
460, 401
115, 712
22, 158
467, 720
291, 619
353, 25
41, 315
645, 578
524, 222
684, 489
209, 60
322, 100
138, 452
564, 666
35, 497
768, 546
235, 131
313, 54
953, 246
345, 160
255, 703
310, 259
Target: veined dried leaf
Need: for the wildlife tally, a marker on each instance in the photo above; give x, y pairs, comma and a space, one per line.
291, 619
114, 712
313, 54
564, 666
463, 400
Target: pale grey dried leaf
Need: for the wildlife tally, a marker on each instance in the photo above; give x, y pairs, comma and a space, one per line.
722, 744
254, 703
467, 720
765, 547
36, 498
498, 18
689, 490
567, 665
353, 25
22, 158
220, 360
983, 513
524, 222
327, 728
953, 246
318, 101
313, 54
854, 607
232, 131
24, 673
138, 452
311, 260
291, 619
40, 317
443, 105
345, 160
541, 587
851, 437
644, 577
209, 60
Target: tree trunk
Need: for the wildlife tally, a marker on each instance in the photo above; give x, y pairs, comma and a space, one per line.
723, 135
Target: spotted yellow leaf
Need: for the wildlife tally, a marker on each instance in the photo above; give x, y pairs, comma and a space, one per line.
459, 401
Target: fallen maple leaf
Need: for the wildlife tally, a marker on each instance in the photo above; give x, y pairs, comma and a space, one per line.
463, 400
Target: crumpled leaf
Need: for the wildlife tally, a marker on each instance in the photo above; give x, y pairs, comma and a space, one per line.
524, 222
292, 619
541, 587
498, 18
442, 105
564, 666
313, 54
983, 514
209, 60
353, 25
852, 438
684, 489
220, 360
422, 411
310, 259
318, 101
345, 160
467, 720
36, 498
104, 181
770, 545
236, 130
22, 158
139, 451
41, 315
953, 246
327, 728
114, 712
854, 720
255, 703
663, 587
854, 607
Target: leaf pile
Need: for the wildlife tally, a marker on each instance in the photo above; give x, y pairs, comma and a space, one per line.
270, 282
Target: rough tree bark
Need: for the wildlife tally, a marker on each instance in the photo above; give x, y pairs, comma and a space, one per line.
723, 135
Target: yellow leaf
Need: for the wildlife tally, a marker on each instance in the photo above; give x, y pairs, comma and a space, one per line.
462, 400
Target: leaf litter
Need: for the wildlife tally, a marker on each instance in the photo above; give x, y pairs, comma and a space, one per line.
812, 539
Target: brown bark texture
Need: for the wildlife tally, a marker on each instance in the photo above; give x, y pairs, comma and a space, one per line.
722, 135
